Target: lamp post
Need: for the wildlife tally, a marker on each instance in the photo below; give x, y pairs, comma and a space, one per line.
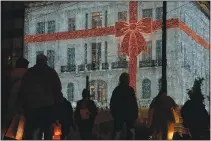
164, 59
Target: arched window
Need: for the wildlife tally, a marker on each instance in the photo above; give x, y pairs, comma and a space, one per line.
146, 89
159, 84
98, 90
70, 92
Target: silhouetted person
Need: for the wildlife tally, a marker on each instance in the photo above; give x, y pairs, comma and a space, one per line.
195, 116
16, 75
64, 113
40, 90
124, 107
162, 116
6, 86
85, 114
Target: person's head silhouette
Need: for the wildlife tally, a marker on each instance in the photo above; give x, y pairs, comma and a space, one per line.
85, 94
41, 59
124, 79
22, 63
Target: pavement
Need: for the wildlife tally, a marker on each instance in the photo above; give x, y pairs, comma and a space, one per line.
103, 129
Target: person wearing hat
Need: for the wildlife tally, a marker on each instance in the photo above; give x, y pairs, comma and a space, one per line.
40, 90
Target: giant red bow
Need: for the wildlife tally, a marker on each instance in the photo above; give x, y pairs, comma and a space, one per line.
133, 42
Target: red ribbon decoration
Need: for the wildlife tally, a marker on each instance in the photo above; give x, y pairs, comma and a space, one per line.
133, 42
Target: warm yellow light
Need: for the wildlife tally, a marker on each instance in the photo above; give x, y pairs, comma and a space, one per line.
20, 131
57, 129
92, 86
170, 130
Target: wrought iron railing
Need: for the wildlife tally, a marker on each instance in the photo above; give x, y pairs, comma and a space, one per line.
105, 66
145, 102
69, 68
150, 63
93, 66
81, 67
119, 64
158, 62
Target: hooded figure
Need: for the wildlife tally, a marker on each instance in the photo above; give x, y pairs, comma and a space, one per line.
124, 107
85, 114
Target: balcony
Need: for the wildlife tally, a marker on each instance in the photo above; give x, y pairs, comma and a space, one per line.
158, 62
93, 66
105, 66
145, 102
81, 67
70, 68
150, 63
119, 64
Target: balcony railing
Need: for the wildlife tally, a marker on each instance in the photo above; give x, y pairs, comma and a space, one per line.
81, 67
119, 64
150, 63
69, 68
105, 66
145, 102
93, 66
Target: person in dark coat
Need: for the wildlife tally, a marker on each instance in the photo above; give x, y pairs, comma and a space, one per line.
195, 116
16, 75
40, 90
162, 116
85, 114
6, 87
64, 113
124, 107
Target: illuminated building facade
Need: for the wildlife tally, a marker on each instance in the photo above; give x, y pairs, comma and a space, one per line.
99, 56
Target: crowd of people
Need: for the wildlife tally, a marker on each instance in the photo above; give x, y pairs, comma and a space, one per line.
36, 93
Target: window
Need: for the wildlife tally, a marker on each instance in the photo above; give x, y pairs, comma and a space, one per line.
70, 56
96, 19
106, 18
41, 28
106, 51
186, 63
70, 92
39, 52
98, 91
146, 89
121, 57
122, 16
86, 23
148, 56
96, 52
147, 13
51, 27
85, 54
159, 50
183, 17
50, 56
159, 84
71, 24
159, 13
185, 56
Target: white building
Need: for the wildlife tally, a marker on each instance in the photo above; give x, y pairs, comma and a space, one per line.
73, 58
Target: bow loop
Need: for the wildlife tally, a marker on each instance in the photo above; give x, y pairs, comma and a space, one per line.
121, 28
132, 32
145, 25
